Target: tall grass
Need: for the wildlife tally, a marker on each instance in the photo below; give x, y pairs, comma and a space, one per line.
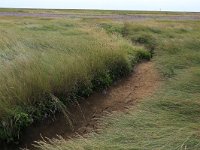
170, 118
43, 58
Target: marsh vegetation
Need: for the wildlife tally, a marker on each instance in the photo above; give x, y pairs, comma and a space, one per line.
48, 64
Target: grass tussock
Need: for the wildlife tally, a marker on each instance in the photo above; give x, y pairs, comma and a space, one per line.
169, 119
45, 65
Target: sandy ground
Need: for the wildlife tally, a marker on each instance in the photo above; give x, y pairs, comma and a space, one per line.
85, 116
195, 16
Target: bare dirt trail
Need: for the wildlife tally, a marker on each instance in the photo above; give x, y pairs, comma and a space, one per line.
125, 93
128, 17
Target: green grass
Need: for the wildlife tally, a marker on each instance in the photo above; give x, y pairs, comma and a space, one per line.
170, 119
46, 59
95, 12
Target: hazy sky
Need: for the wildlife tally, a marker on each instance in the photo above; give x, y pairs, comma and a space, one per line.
172, 5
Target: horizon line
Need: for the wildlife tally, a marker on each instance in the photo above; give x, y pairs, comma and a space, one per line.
40, 8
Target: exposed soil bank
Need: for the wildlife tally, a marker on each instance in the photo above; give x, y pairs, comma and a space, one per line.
108, 16
140, 84
85, 115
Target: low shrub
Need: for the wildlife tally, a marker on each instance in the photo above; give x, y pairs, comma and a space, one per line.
145, 39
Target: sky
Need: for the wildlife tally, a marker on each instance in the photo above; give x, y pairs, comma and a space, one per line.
165, 5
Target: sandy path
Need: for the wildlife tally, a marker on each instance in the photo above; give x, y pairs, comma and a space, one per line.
132, 17
125, 93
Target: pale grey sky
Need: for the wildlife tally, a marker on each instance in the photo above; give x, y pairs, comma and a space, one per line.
169, 5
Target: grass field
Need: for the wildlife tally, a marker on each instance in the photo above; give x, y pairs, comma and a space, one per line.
96, 12
170, 119
46, 64
50, 63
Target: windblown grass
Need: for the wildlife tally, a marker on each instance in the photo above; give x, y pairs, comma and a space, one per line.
45, 58
171, 118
